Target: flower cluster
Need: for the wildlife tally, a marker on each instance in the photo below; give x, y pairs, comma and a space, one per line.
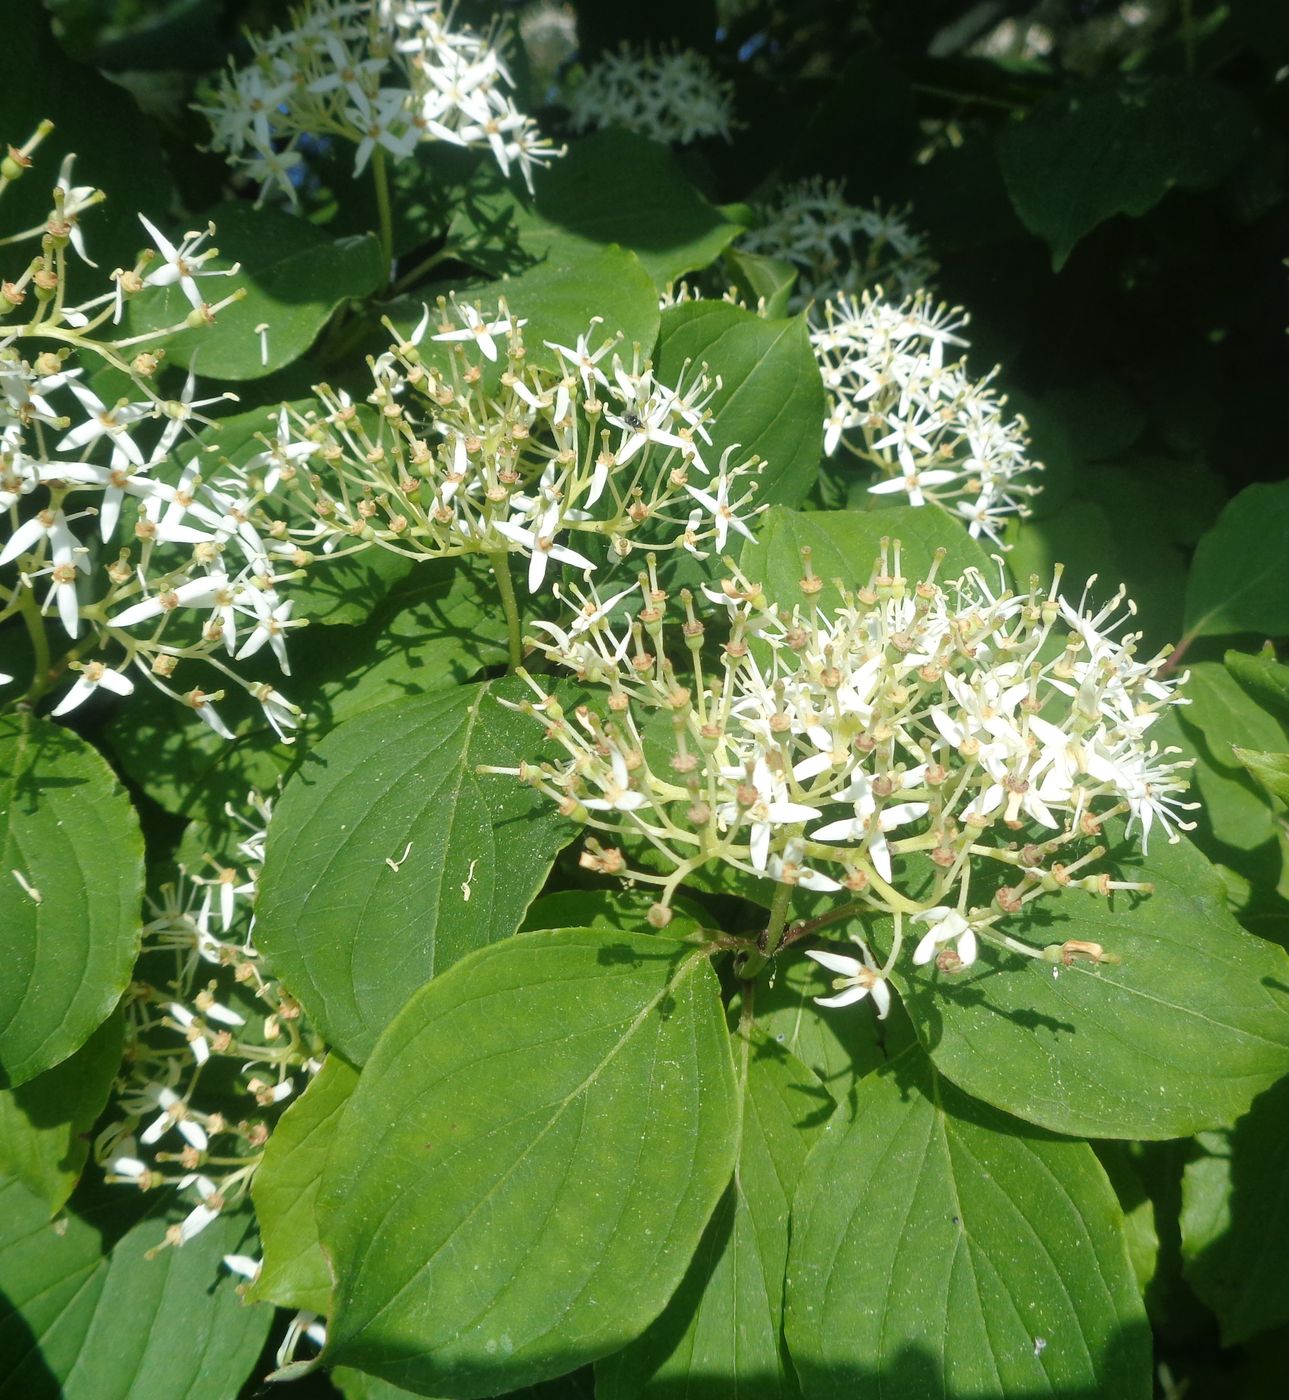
213, 1045
490, 454
935, 433
673, 96
910, 744
839, 247
678, 293
385, 75
77, 472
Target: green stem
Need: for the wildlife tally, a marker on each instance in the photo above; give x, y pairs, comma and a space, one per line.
381, 178
409, 279
39, 645
1188, 36
500, 562
752, 963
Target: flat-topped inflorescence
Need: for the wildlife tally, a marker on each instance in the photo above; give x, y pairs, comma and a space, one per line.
538, 461
893, 742
385, 76
898, 403
838, 247
194, 580
672, 95
209, 1000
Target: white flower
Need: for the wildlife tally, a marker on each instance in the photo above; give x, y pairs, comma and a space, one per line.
719, 508
273, 616
674, 95
952, 707
203, 1214
837, 246
174, 1114
383, 122
112, 423
934, 433
475, 328
541, 548
195, 593
75, 200
583, 359
944, 925
92, 675
182, 263
858, 980
303, 1324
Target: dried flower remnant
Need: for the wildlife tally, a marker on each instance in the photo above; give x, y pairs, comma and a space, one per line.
891, 746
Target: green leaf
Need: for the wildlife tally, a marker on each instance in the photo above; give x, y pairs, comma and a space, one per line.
556, 1120
558, 296
294, 1273
117, 149
1122, 1166
1239, 580
1101, 417
761, 277
1264, 680
771, 401
726, 1318
613, 187
88, 1325
352, 588
1089, 535
845, 544
1235, 1213
294, 275
390, 857
1234, 822
941, 1248
1224, 715
1087, 153
45, 1123
436, 629
1181, 1035
357, 1385
1271, 770
617, 909
67, 949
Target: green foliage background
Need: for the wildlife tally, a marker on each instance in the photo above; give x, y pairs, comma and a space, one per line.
965, 1182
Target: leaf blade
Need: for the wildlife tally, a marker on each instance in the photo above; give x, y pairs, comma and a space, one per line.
68, 828
390, 857
940, 1248
545, 1212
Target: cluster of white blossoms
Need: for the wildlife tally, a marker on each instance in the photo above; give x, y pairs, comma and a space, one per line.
200, 997
672, 95
193, 578
934, 432
478, 451
679, 293
385, 75
941, 753
839, 247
